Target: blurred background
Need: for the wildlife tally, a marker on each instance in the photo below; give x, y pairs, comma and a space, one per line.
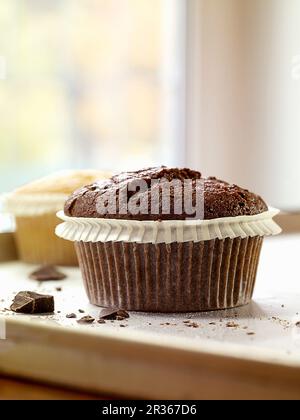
123, 84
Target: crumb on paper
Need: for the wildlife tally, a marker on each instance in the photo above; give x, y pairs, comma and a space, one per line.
232, 325
192, 325
86, 320
71, 316
114, 314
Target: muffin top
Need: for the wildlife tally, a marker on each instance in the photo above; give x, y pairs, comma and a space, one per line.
163, 193
63, 182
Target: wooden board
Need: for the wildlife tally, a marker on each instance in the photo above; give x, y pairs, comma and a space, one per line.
157, 355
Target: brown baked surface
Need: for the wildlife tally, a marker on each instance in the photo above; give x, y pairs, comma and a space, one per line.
221, 199
63, 182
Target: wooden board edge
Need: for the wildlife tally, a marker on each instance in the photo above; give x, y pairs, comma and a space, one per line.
140, 367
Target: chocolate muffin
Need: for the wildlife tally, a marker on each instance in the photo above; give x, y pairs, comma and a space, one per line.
220, 198
167, 240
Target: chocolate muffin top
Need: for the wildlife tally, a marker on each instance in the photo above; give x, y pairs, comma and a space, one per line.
143, 194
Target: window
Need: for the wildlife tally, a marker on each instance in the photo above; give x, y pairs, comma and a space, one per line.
89, 83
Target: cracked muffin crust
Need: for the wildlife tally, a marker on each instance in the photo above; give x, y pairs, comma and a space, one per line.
221, 199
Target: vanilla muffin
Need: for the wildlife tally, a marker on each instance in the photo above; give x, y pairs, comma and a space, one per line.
35, 206
154, 257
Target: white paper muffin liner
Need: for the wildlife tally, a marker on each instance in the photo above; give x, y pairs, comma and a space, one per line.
153, 232
33, 204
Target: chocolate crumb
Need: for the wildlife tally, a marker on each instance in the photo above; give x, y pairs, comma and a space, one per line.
101, 321
298, 324
86, 320
123, 326
120, 318
81, 311
47, 273
32, 303
122, 315
212, 323
58, 289
113, 314
250, 333
70, 316
192, 325
232, 325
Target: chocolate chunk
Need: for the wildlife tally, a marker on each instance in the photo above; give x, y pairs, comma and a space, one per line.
122, 313
86, 320
70, 316
32, 303
47, 273
109, 314
113, 314
119, 318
